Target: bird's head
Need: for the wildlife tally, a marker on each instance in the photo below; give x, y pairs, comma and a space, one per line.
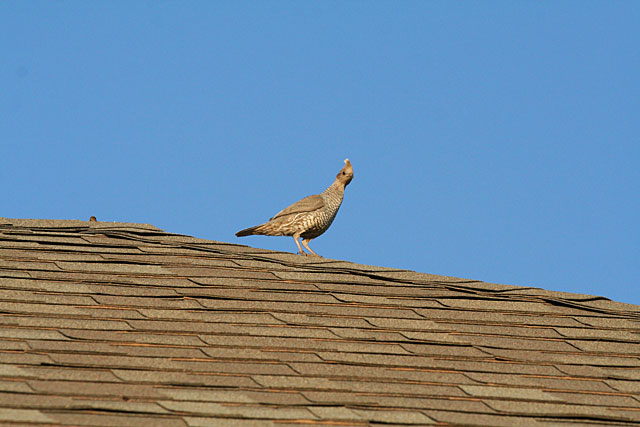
346, 173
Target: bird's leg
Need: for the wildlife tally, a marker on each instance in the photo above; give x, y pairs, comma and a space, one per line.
305, 242
300, 251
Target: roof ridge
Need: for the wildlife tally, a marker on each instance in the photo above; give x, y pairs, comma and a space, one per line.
145, 232
459, 285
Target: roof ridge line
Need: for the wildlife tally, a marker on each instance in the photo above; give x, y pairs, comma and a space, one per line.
494, 294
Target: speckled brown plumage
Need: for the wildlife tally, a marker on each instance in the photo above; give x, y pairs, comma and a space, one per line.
309, 217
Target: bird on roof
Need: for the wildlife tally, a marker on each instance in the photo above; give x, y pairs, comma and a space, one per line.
309, 217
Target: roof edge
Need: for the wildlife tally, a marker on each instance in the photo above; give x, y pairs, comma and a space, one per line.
73, 223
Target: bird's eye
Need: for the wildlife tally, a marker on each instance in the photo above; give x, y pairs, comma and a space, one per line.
344, 173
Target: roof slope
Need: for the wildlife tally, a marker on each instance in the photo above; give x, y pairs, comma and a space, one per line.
125, 324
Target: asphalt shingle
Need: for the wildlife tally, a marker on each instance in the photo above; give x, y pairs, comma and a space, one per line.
125, 324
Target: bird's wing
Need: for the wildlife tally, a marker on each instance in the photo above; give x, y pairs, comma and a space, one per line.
308, 204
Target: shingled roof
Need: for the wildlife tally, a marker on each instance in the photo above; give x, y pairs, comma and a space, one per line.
125, 324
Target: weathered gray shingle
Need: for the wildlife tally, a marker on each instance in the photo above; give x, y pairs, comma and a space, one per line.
125, 324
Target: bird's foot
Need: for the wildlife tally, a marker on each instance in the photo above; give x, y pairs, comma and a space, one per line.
303, 253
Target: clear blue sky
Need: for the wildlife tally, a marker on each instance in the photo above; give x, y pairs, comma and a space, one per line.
494, 140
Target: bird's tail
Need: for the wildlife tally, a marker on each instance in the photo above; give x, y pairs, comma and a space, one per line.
249, 231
